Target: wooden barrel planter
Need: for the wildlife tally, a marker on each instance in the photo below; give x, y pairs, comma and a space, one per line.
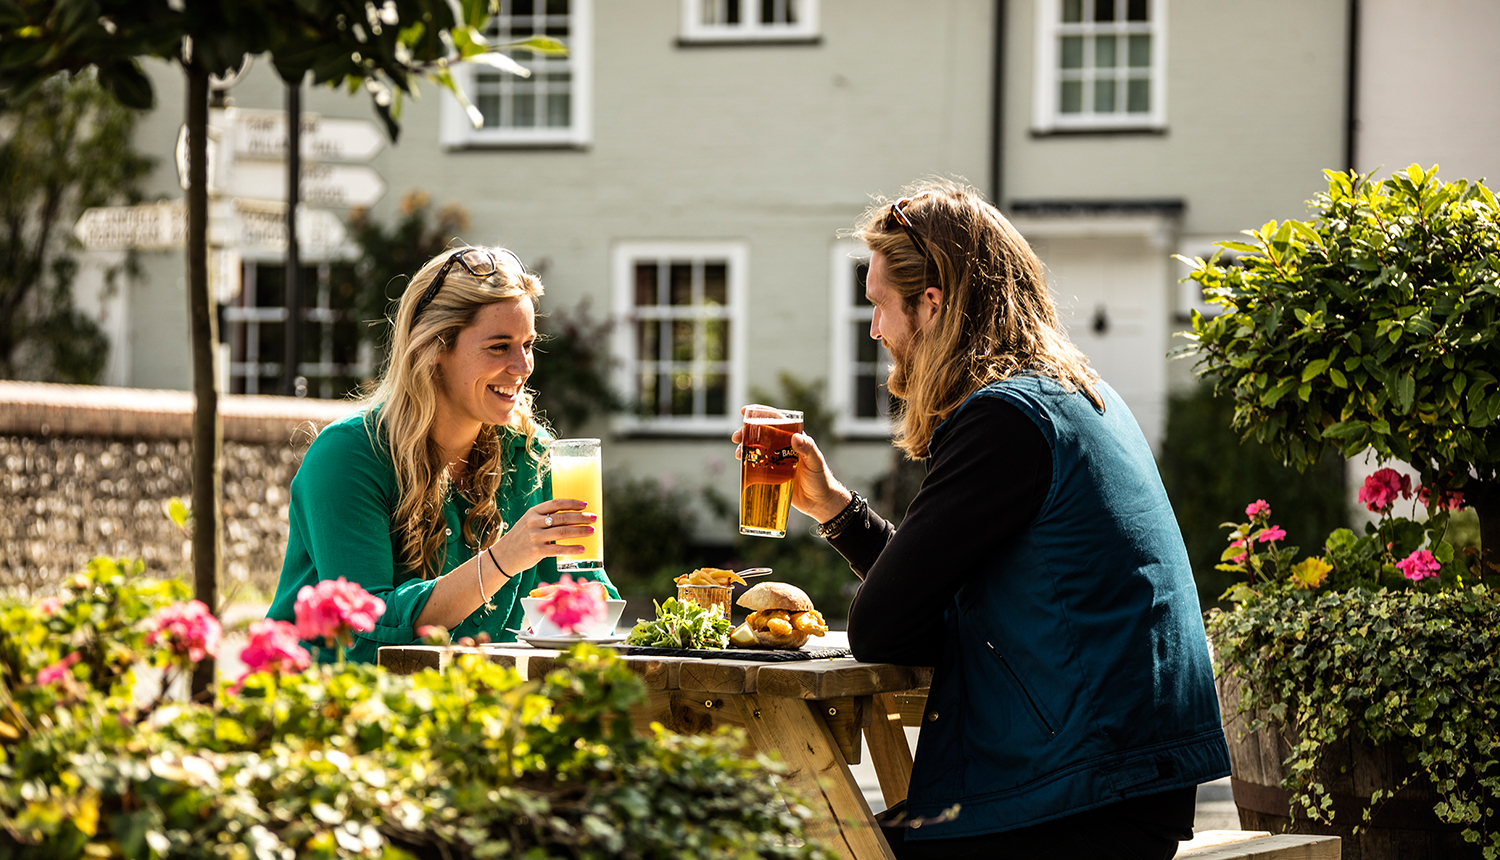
1403, 827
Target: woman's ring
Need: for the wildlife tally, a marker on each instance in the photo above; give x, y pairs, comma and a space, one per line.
547, 523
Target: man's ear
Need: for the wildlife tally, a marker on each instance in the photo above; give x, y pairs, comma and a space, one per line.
934, 297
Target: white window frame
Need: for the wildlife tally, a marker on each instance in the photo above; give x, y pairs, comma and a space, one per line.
457, 132
625, 256
749, 28
1047, 115
844, 314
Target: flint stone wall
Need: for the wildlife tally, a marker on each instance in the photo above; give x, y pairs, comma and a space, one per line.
90, 471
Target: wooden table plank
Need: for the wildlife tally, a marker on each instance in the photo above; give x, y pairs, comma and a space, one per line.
817, 771
412, 659
719, 676
835, 679
1284, 846
889, 751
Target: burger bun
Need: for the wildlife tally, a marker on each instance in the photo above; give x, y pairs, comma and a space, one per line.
775, 595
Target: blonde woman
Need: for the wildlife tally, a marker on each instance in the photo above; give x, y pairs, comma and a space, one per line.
435, 496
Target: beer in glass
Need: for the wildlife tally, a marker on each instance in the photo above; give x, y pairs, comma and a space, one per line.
576, 475
769, 464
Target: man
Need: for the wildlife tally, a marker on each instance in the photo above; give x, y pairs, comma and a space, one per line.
1039, 568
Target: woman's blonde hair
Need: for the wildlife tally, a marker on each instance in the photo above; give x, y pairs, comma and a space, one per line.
997, 318
403, 407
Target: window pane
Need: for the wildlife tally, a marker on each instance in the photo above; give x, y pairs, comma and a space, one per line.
1072, 11
1104, 10
682, 340
522, 7
866, 348
768, 11
645, 284
1138, 96
1104, 96
716, 394
1139, 10
1072, 96
557, 7
731, 11
791, 11
715, 340
559, 100
523, 108
1140, 51
861, 271
487, 98
1104, 52
866, 396
1072, 54
648, 400
682, 394
648, 340
680, 284
715, 284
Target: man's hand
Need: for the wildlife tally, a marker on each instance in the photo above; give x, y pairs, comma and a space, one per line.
815, 491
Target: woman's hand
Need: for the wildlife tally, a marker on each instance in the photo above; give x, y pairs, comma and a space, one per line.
815, 491
533, 537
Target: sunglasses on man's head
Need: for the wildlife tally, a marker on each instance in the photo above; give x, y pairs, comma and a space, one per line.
478, 262
911, 230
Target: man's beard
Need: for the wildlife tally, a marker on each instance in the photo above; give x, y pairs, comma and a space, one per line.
901, 365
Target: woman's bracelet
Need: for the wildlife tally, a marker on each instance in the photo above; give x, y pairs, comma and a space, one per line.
857, 507
491, 550
484, 598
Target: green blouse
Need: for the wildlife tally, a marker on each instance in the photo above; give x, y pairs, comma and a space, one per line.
342, 503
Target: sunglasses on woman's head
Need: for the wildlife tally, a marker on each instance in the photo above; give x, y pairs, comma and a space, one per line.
905, 223
478, 262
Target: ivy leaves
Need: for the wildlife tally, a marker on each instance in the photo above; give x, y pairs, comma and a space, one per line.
1371, 326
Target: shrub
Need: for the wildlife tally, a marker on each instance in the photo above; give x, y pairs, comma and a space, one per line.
347, 760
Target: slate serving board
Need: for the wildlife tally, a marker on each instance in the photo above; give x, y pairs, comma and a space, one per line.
765, 655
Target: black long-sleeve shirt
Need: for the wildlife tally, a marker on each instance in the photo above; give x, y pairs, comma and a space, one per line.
989, 471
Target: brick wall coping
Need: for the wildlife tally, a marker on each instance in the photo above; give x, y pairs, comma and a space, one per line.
44, 409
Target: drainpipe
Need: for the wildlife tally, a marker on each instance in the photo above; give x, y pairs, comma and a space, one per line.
997, 119
1351, 89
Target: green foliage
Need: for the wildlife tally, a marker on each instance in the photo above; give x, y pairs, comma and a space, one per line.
1371, 326
350, 761
648, 531
381, 48
1417, 670
64, 146
1211, 474
573, 368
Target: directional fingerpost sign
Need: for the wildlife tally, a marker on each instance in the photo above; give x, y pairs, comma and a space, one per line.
149, 227
322, 184
262, 134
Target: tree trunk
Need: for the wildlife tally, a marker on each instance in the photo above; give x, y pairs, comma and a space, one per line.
208, 430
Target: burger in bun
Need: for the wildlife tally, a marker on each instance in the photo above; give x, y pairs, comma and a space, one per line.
782, 616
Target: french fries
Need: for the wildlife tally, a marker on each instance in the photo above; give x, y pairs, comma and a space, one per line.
710, 576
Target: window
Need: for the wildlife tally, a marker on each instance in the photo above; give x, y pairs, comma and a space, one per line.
860, 363
253, 331
749, 20
1100, 65
551, 107
682, 347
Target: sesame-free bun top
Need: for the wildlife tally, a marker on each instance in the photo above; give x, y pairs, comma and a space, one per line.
775, 595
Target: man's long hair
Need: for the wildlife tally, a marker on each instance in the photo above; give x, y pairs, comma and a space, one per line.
403, 407
997, 319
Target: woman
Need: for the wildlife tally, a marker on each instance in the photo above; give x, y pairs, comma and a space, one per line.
434, 497
1039, 568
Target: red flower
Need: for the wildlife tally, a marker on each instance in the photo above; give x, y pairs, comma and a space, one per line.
573, 606
333, 608
1382, 488
57, 671
1419, 565
273, 647
190, 630
1451, 500
1270, 534
1258, 508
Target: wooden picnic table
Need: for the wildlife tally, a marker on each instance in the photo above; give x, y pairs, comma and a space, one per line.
811, 713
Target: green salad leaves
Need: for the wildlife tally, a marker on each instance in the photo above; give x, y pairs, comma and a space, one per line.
682, 625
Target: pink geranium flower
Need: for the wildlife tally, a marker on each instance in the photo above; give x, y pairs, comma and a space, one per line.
1258, 508
1452, 500
574, 607
1419, 565
1381, 489
189, 630
57, 671
333, 608
1270, 534
50, 605
273, 647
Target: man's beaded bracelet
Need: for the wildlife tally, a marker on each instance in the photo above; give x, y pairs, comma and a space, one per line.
857, 507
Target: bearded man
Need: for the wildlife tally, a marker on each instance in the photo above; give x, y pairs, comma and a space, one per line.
1039, 569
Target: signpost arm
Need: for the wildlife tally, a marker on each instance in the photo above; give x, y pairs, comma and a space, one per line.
293, 261
208, 432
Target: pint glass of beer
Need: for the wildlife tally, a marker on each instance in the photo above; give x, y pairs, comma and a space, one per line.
767, 470
576, 475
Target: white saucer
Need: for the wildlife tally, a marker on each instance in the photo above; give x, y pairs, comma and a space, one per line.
562, 643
